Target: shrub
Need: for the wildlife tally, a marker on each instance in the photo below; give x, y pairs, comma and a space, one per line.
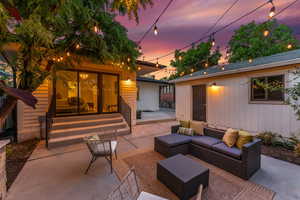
267, 137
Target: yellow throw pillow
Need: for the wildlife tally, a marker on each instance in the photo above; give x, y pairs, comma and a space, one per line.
185, 124
244, 138
230, 137
198, 127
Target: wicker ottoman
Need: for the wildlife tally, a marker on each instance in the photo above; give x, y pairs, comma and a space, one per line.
173, 144
182, 175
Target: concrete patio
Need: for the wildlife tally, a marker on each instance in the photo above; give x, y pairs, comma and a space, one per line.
58, 174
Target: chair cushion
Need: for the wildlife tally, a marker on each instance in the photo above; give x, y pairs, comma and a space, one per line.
104, 148
206, 141
174, 139
230, 151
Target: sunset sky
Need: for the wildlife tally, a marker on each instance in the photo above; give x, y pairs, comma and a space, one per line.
185, 21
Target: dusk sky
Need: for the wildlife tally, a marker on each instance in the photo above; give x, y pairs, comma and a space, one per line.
186, 21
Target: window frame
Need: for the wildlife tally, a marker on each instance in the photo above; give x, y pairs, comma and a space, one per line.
266, 100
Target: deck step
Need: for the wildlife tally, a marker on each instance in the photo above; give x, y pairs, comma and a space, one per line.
71, 129
84, 123
85, 117
69, 140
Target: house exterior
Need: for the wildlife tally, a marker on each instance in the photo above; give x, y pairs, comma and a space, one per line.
85, 99
230, 96
149, 93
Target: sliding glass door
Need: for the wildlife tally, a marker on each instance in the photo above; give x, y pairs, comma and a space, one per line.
79, 92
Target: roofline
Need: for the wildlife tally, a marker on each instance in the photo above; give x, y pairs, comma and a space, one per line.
142, 79
240, 70
150, 64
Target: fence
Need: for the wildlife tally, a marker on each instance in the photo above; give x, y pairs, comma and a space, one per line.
9, 120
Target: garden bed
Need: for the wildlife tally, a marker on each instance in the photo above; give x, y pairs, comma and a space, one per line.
17, 155
280, 153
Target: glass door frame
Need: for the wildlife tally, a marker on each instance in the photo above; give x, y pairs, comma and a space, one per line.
100, 95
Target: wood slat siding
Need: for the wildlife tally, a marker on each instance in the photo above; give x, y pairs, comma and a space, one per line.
28, 118
28, 123
229, 106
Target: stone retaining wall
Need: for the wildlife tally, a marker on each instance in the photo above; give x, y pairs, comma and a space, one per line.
2, 169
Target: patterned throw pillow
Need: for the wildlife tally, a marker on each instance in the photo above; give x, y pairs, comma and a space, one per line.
230, 137
185, 131
244, 138
185, 124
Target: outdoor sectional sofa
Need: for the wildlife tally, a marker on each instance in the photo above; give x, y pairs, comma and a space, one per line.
210, 148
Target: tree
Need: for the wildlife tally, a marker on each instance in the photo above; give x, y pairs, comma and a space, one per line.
257, 40
293, 93
49, 34
195, 58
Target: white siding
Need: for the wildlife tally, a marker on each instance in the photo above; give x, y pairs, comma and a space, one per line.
229, 106
148, 96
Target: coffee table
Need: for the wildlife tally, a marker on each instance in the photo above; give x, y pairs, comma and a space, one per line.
182, 175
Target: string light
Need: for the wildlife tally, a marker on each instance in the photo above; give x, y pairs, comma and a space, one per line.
128, 68
191, 74
192, 70
180, 58
250, 60
157, 65
140, 49
68, 53
266, 33
61, 58
96, 29
212, 40
77, 46
139, 68
272, 10
223, 68
128, 59
206, 64
204, 73
155, 30
289, 46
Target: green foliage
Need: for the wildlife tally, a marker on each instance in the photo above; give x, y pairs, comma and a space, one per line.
195, 59
249, 42
267, 137
52, 29
294, 94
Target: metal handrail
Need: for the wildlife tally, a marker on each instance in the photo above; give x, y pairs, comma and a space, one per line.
125, 110
49, 119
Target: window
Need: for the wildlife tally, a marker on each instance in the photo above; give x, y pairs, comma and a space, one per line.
268, 88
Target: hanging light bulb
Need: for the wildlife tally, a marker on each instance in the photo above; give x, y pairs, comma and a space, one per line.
206, 64
140, 49
212, 40
96, 29
77, 46
289, 46
223, 68
128, 68
157, 65
204, 73
272, 10
61, 58
155, 30
192, 70
139, 68
191, 74
250, 60
68, 54
128, 59
266, 33
143, 58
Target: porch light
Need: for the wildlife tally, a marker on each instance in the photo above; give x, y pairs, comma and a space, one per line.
213, 84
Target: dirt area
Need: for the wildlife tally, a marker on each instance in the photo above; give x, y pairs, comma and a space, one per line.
16, 157
281, 154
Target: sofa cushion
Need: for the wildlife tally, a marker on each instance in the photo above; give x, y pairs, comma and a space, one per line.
185, 124
185, 131
206, 141
230, 137
174, 139
230, 151
244, 138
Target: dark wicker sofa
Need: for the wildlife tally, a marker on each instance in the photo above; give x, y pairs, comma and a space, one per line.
210, 148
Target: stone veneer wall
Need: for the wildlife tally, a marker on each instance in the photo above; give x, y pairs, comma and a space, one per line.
3, 169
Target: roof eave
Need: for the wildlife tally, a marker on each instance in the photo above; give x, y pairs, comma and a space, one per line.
235, 71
